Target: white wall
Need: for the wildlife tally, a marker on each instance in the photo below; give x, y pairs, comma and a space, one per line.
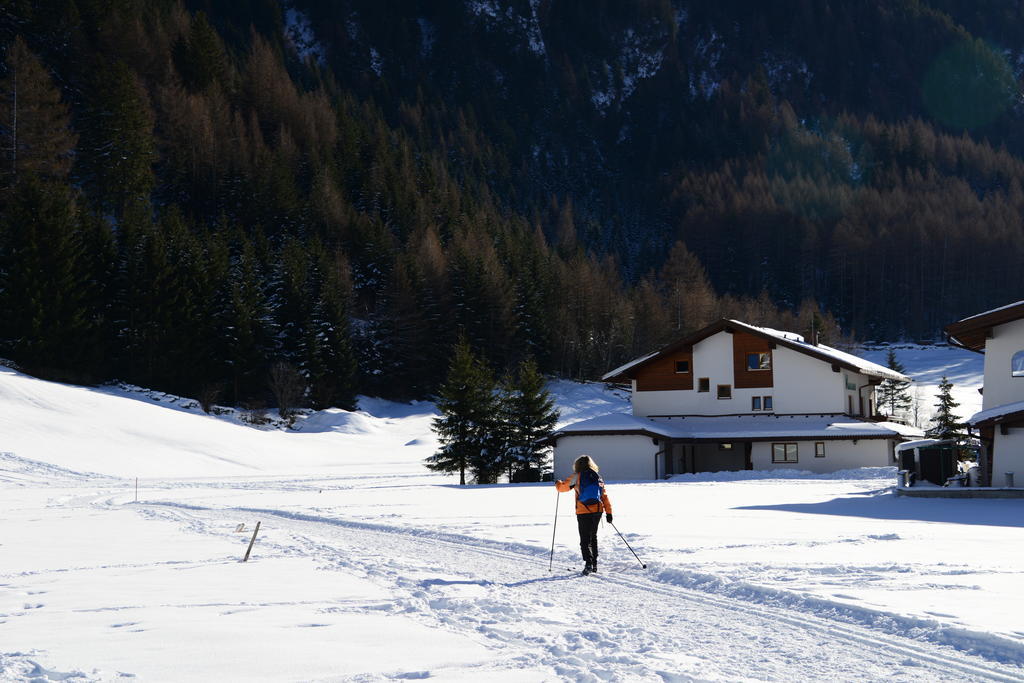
1008, 455
839, 455
807, 385
619, 456
1000, 386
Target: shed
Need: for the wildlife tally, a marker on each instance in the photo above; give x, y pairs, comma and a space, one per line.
931, 460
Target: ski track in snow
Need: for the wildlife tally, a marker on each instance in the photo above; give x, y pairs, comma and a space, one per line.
619, 625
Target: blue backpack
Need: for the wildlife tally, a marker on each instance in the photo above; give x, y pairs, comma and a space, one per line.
589, 488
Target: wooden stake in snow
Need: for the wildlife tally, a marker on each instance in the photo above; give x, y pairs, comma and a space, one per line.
251, 541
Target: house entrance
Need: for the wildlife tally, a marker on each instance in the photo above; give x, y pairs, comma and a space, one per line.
690, 458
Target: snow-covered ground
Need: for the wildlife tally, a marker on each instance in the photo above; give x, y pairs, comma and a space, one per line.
368, 567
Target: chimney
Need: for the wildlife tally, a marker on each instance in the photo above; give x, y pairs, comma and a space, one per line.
812, 338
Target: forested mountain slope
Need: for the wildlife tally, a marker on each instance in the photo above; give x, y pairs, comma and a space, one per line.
195, 193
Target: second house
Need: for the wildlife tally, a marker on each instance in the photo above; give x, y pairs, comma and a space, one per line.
735, 396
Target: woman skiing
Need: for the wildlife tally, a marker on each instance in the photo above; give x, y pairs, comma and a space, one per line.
591, 501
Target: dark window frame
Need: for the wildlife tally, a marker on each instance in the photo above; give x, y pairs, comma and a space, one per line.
785, 453
683, 372
767, 403
725, 446
704, 384
819, 449
755, 403
728, 391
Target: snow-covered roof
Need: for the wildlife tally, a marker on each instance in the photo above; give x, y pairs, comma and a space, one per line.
788, 339
994, 310
972, 332
743, 427
627, 366
920, 443
996, 413
797, 342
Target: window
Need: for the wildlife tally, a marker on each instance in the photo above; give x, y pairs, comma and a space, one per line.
819, 449
784, 452
703, 384
767, 403
755, 403
850, 386
725, 446
682, 366
759, 361
1017, 365
724, 391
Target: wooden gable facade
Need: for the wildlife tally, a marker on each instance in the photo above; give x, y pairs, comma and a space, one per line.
666, 372
745, 344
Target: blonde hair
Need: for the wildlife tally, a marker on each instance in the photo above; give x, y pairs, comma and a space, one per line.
584, 461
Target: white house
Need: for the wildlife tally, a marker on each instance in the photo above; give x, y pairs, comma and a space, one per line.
999, 334
734, 396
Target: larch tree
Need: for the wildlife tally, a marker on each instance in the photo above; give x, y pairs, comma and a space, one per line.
35, 123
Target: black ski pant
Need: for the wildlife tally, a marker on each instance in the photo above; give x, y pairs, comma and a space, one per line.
588, 535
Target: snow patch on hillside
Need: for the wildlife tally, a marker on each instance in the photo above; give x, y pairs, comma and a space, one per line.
510, 21
298, 33
927, 365
641, 54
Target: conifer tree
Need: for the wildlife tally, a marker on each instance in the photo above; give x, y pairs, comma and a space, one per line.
46, 283
249, 325
531, 416
467, 405
35, 124
945, 424
117, 150
894, 394
200, 58
332, 367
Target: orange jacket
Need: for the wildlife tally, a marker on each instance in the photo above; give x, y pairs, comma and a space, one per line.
603, 505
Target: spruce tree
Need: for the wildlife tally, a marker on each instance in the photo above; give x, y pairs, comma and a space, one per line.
117, 150
249, 328
47, 284
467, 405
331, 366
531, 416
894, 394
945, 424
201, 59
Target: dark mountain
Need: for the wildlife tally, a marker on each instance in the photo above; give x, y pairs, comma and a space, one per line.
341, 186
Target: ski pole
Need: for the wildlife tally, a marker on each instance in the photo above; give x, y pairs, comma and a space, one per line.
628, 546
551, 558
